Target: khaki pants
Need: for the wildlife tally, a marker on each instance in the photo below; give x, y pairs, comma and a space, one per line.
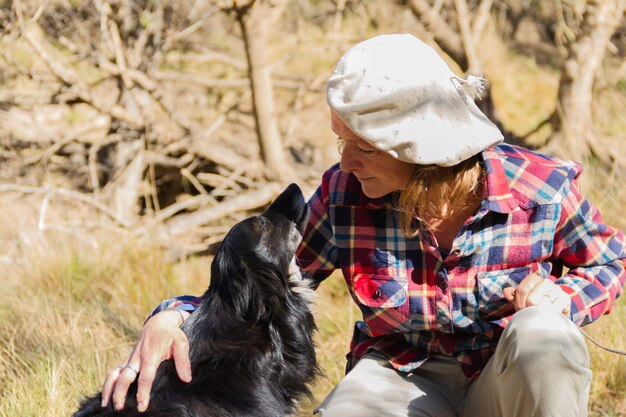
540, 368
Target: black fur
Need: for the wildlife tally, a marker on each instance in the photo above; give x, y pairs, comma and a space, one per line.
251, 339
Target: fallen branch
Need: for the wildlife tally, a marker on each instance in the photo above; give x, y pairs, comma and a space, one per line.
207, 57
238, 175
247, 201
463, 20
481, 19
126, 191
188, 204
203, 81
338, 18
69, 77
219, 154
449, 40
68, 194
144, 81
120, 55
94, 179
59, 144
138, 77
218, 181
159, 158
193, 180
214, 56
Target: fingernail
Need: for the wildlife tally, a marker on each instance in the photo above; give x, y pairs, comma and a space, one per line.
103, 403
141, 406
117, 406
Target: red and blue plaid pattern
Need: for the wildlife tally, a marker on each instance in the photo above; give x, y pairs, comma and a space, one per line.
416, 300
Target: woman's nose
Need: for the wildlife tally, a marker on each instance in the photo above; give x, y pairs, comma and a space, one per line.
349, 161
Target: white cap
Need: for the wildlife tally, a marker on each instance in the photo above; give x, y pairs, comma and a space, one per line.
399, 95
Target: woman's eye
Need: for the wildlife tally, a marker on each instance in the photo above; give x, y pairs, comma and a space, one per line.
341, 144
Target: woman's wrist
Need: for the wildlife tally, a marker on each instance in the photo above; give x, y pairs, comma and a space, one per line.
182, 315
172, 316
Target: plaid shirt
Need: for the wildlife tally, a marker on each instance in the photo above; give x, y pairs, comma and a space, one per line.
415, 300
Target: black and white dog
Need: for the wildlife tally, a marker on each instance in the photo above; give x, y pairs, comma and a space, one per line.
251, 338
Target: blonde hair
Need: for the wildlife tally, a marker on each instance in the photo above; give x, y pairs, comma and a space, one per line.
433, 186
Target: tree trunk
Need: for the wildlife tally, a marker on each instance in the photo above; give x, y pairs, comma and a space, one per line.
463, 19
256, 22
573, 119
447, 38
482, 16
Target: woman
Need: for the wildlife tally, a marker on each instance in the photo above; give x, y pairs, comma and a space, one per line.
452, 245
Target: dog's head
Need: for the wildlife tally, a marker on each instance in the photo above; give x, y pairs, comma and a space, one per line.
252, 266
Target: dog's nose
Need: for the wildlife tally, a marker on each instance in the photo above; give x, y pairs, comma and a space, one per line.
290, 204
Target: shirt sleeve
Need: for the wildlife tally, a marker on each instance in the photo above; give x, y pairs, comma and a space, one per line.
317, 254
183, 302
594, 253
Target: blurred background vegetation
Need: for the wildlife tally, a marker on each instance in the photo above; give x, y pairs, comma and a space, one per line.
133, 134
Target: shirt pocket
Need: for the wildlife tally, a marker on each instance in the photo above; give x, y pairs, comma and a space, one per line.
383, 300
379, 291
491, 301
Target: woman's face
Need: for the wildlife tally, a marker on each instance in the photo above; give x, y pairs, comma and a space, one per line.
378, 172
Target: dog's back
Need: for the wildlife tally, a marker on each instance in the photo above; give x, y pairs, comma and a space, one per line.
251, 338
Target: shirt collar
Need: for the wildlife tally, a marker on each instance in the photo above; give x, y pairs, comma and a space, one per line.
498, 196
388, 201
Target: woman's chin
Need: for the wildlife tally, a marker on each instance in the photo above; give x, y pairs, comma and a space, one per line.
372, 192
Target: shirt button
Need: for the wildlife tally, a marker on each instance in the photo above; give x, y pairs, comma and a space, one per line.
376, 295
443, 285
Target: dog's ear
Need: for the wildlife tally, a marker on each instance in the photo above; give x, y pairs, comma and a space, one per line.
237, 285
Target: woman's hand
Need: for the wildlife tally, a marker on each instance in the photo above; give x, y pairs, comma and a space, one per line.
534, 290
161, 338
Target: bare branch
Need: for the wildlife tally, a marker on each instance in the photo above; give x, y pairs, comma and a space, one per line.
463, 19
188, 204
69, 77
120, 55
444, 35
246, 201
481, 19
126, 195
59, 144
68, 194
193, 180
338, 19
181, 77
